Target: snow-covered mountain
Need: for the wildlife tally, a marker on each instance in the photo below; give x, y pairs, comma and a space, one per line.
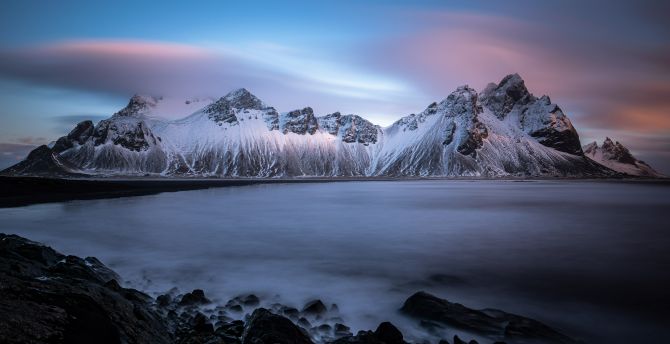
502, 131
618, 158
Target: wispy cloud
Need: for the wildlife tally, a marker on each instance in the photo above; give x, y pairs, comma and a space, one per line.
126, 67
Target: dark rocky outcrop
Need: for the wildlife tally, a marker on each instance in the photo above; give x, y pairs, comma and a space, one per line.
503, 97
385, 333
351, 128
82, 132
315, 307
299, 122
228, 107
42, 161
47, 297
265, 327
196, 297
538, 117
488, 322
463, 108
133, 134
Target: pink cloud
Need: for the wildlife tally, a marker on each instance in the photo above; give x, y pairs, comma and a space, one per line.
602, 85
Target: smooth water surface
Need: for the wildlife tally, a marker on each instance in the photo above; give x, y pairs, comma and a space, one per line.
590, 258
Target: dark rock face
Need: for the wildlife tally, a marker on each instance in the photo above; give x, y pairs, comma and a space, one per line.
389, 334
547, 123
386, 333
42, 161
351, 128
474, 140
493, 323
541, 119
80, 134
617, 152
501, 98
46, 297
314, 307
300, 122
463, 108
265, 327
538, 117
133, 135
196, 297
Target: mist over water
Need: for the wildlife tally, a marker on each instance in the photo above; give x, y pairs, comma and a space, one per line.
589, 258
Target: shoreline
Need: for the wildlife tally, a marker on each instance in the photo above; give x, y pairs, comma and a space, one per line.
24, 191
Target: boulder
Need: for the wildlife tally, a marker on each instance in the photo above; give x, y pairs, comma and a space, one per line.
265, 327
47, 297
487, 322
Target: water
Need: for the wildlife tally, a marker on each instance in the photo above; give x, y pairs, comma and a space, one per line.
590, 258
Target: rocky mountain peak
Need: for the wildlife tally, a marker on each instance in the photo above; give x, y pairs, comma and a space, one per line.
463, 101
617, 157
138, 104
224, 110
241, 98
590, 148
613, 150
502, 98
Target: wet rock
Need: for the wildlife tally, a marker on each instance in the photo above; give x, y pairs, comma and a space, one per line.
389, 334
164, 300
458, 340
196, 297
489, 322
48, 297
341, 330
265, 327
201, 324
251, 300
315, 307
232, 329
324, 328
290, 312
428, 307
386, 333
304, 323
235, 308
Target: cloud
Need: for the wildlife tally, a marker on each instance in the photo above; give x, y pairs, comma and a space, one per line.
586, 74
127, 67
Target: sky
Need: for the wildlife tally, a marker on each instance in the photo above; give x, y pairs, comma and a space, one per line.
606, 63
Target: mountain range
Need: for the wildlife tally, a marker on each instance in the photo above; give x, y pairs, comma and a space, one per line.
503, 130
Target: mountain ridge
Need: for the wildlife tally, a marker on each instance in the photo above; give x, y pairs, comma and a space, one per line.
617, 157
502, 131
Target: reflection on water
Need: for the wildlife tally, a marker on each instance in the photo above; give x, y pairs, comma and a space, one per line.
588, 257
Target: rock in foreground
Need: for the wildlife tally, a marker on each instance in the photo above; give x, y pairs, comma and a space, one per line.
488, 322
47, 297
